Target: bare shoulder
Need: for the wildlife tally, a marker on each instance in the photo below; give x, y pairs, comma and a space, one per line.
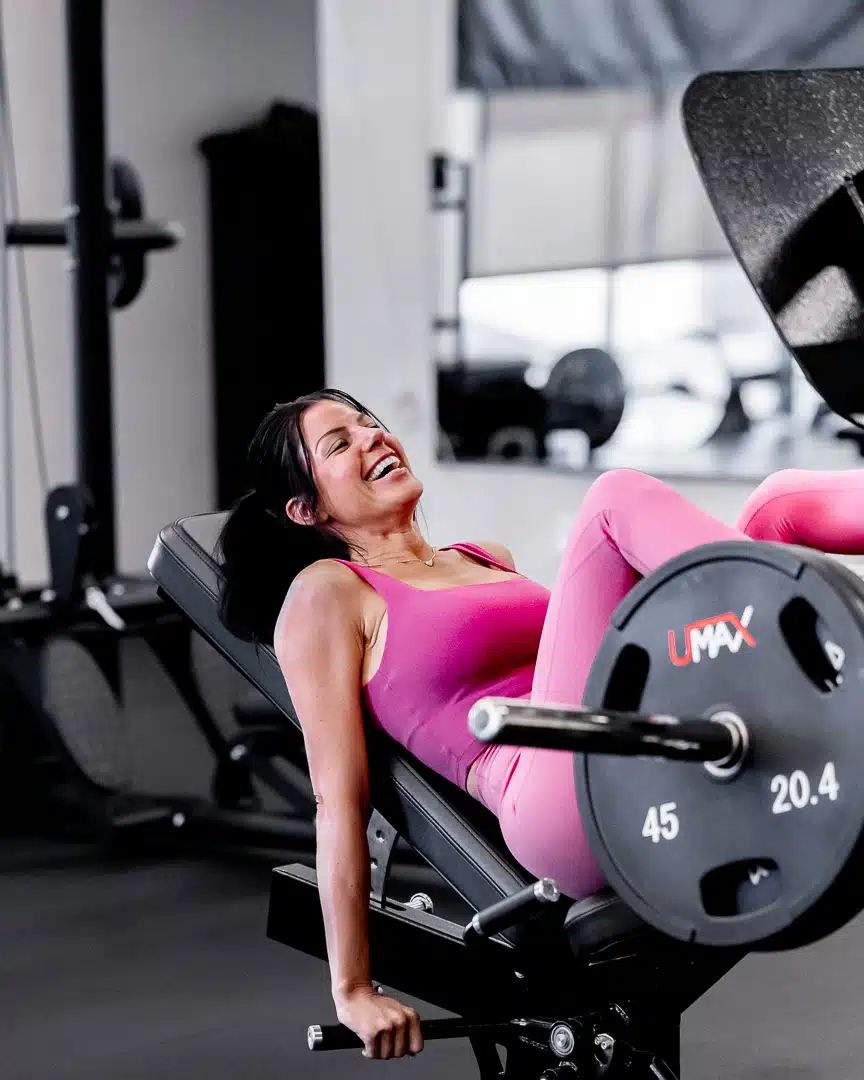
499, 551
322, 591
325, 575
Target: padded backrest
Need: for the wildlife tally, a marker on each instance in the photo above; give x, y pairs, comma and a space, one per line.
451, 830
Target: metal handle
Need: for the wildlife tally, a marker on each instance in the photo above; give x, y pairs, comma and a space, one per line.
513, 909
339, 1037
604, 731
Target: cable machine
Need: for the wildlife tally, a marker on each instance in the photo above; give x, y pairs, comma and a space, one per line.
64, 753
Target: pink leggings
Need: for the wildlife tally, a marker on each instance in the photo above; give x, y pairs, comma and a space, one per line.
629, 524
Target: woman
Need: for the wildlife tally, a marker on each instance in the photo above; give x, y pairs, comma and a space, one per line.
378, 623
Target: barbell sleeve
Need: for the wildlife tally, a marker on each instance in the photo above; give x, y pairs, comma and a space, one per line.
126, 235
338, 1037
514, 722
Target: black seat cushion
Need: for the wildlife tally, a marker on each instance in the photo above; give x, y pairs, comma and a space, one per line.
600, 921
450, 829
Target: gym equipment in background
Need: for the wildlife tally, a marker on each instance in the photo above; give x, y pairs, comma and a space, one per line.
108, 712
491, 411
130, 239
266, 277
108, 241
585, 392
111, 736
488, 409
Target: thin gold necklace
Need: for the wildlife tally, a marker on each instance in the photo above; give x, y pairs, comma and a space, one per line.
405, 562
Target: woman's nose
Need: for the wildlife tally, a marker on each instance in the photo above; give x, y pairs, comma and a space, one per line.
372, 436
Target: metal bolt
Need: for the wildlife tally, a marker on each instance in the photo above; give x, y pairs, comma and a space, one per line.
61, 512
238, 752
562, 1040
178, 820
421, 901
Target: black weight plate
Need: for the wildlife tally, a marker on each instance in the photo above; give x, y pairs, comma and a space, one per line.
761, 859
841, 902
128, 268
127, 192
585, 390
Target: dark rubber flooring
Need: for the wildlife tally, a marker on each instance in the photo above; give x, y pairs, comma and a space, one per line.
159, 969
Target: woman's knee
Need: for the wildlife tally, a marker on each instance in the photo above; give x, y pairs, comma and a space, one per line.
779, 483
755, 511
618, 485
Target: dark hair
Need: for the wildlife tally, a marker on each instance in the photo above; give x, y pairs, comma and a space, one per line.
261, 549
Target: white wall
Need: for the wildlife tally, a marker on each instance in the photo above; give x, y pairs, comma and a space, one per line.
175, 71
383, 95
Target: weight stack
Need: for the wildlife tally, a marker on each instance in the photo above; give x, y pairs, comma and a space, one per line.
266, 289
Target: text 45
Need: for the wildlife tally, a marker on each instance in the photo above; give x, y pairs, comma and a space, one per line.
661, 822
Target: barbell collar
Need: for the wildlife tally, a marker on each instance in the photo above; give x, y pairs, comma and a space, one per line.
513, 722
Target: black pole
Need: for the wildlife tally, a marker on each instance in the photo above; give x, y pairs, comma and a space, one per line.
90, 249
603, 731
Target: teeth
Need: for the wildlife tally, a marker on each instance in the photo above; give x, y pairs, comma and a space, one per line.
382, 465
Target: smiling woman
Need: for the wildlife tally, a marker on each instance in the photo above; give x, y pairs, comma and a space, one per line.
375, 628
304, 473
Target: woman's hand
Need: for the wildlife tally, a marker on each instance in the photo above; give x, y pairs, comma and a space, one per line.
388, 1028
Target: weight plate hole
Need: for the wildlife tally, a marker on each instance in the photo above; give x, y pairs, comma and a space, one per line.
740, 887
628, 678
813, 644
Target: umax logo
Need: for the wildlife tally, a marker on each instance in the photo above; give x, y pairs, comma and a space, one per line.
711, 635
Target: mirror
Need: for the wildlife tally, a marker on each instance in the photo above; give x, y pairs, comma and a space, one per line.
672, 367
604, 303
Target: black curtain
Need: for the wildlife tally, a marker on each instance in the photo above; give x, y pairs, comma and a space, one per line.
266, 288
546, 44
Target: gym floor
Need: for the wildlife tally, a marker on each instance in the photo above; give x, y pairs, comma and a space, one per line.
160, 968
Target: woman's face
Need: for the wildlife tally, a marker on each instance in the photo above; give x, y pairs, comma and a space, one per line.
361, 471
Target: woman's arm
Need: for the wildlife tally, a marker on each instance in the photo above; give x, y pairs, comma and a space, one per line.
319, 642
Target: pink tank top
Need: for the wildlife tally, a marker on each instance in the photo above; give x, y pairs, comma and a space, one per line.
444, 649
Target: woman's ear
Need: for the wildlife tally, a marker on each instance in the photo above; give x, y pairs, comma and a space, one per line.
299, 511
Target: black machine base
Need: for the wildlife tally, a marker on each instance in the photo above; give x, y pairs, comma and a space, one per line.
611, 1010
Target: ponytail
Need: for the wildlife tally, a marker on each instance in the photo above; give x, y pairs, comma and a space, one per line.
261, 548
261, 555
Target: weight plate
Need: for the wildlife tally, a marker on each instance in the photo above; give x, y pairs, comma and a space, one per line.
774, 635
128, 268
585, 392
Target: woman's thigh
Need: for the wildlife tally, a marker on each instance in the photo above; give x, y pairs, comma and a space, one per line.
541, 824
